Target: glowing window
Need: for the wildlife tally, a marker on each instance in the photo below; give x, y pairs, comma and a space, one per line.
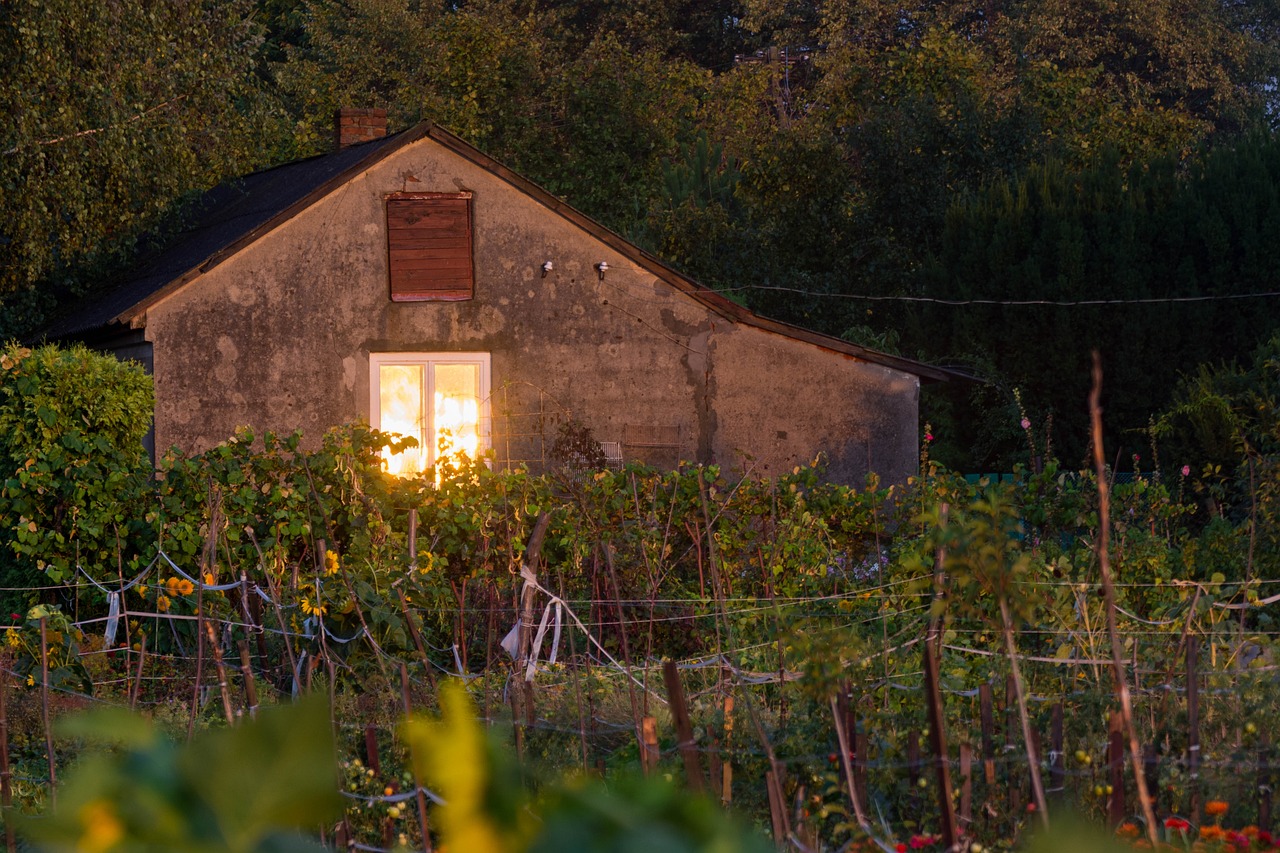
440, 399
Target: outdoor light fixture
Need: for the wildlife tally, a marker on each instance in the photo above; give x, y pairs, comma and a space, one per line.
602, 268
547, 267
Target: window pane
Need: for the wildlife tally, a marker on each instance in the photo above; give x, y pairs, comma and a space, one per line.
400, 405
457, 409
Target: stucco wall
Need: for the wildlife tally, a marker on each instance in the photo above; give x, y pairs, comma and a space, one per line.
787, 402
278, 337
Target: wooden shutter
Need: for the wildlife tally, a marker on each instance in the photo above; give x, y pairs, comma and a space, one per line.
429, 247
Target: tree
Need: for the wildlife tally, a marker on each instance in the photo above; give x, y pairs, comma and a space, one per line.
109, 113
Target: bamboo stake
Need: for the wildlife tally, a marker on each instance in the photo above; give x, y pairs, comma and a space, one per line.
1109, 594
44, 710
842, 738
1193, 727
1033, 759
936, 714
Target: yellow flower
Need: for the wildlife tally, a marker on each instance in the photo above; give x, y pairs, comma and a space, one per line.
331, 563
142, 590
171, 586
209, 579
14, 639
186, 587
311, 609
31, 681
162, 603
102, 828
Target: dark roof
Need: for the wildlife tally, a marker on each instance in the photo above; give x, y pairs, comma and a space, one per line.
221, 222
233, 215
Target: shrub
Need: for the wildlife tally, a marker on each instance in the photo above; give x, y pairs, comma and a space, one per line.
71, 457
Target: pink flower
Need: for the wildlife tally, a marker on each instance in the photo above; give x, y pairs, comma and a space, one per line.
1026, 423
1186, 470
928, 436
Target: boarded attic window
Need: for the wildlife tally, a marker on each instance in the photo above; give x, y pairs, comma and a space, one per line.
429, 247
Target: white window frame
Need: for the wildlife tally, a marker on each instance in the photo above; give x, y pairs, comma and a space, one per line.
428, 360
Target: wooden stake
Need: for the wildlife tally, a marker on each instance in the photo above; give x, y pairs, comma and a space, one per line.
726, 780
1057, 762
417, 784
1264, 782
938, 740
966, 785
933, 699
371, 755
6, 775
413, 538
776, 809
136, 690
648, 744
987, 712
250, 686
1115, 766
684, 729
1193, 729
417, 639
221, 668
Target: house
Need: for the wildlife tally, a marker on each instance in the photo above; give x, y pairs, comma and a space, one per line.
413, 281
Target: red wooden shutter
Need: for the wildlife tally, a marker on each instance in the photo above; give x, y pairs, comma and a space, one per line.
429, 247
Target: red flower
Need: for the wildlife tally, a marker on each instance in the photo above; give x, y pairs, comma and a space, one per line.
1177, 823
900, 847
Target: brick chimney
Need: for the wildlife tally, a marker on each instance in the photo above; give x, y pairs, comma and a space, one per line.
353, 126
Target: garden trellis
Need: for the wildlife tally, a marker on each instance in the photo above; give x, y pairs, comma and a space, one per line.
878, 708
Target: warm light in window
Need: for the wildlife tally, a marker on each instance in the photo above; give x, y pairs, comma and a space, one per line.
457, 409
452, 426
400, 393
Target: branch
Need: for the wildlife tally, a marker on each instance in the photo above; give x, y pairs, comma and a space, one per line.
15, 149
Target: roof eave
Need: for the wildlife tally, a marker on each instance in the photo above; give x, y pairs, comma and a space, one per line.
135, 317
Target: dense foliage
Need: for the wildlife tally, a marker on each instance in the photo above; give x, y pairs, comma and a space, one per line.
802, 157
792, 595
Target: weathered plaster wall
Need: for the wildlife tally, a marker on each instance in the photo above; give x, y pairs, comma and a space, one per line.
278, 337
784, 402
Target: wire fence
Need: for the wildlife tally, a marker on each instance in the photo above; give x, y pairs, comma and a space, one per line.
749, 691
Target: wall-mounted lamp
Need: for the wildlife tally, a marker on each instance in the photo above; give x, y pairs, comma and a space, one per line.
547, 267
602, 268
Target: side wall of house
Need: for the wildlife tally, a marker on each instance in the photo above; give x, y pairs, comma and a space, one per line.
279, 336
786, 403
